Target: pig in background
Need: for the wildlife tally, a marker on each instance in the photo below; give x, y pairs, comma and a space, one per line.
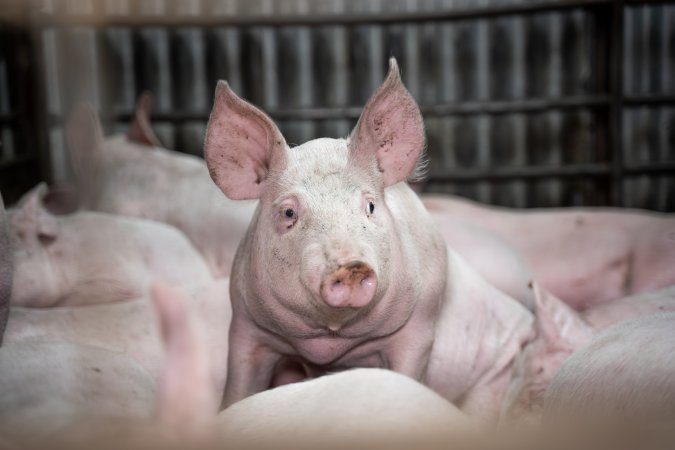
124, 327
87, 257
343, 267
125, 175
559, 332
585, 256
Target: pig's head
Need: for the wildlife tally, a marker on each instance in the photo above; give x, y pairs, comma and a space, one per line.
6, 271
324, 247
33, 232
558, 331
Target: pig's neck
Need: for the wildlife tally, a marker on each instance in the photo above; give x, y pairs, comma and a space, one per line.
478, 336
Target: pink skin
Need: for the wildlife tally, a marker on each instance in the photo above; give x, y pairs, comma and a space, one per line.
559, 332
126, 327
122, 175
624, 374
397, 304
488, 253
584, 256
6, 270
87, 258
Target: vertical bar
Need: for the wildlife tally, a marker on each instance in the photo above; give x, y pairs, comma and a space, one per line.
616, 102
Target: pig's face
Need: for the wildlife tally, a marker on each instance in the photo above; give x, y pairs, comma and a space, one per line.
326, 235
33, 233
323, 247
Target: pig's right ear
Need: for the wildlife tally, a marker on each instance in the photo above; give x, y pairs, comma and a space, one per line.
140, 130
32, 218
242, 145
85, 139
557, 323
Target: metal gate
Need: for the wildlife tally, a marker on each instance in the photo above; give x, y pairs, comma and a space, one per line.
526, 103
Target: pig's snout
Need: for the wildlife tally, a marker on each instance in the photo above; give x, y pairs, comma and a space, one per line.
352, 285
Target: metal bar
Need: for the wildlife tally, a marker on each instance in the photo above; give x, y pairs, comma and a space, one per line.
384, 17
9, 117
22, 160
353, 112
649, 100
652, 167
616, 29
501, 173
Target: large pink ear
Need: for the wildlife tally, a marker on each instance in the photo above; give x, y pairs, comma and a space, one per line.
5, 270
389, 131
140, 130
85, 140
32, 218
242, 145
557, 323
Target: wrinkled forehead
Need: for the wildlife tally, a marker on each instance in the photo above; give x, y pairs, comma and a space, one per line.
320, 168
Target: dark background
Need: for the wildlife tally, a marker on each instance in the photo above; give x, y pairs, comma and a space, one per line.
527, 103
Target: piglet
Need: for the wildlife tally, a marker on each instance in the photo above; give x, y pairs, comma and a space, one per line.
88, 258
343, 267
132, 176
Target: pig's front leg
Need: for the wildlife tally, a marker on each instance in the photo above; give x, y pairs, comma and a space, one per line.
250, 365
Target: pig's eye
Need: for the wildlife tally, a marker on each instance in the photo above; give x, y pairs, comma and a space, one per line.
289, 213
370, 208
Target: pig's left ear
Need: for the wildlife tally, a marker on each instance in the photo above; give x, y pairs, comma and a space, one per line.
33, 218
242, 145
557, 323
140, 130
391, 128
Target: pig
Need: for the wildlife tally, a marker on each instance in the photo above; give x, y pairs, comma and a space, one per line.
123, 175
499, 263
47, 385
6, 270
626, 373
342, 266
87, 257
559, 331
123, 327
585, 256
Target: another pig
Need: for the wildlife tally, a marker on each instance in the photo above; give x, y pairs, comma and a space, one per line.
585, 256
120, 176
48, 385
343, 267
5, 270
123, 327
489, 254
559, 331
87, 258
625, 373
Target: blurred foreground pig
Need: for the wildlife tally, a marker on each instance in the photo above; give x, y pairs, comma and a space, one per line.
48, 385
123, 176
124, 327
584, 256
343, 267
87, 258
626, 373
5, 270
559, 331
